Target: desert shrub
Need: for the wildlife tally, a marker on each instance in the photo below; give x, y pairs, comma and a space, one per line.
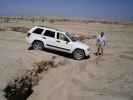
2, 29
83, 36
19, 29
80, 36
6, 20
32, 20
43, 20
51, 20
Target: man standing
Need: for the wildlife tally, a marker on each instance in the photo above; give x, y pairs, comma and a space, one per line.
100, 43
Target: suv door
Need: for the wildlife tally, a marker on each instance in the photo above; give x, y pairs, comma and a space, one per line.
49, 37
62, 42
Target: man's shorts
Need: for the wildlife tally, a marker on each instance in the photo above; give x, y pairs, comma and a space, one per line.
100, 46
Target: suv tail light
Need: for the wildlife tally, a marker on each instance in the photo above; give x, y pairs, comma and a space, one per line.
28, 34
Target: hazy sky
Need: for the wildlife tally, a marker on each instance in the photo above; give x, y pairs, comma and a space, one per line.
100, 8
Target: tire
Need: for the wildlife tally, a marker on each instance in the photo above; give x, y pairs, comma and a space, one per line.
38, 45
78, 54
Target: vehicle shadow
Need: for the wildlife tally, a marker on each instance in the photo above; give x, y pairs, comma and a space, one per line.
63, 54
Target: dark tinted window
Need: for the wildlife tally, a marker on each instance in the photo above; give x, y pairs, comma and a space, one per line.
38, 31
49, 33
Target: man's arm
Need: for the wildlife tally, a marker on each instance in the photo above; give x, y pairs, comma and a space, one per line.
104, 41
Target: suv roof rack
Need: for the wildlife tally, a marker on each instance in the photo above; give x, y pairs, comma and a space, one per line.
51, 28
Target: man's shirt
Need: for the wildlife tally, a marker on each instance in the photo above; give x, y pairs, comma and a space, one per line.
101, 40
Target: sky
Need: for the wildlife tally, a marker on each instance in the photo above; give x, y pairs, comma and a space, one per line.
117, 9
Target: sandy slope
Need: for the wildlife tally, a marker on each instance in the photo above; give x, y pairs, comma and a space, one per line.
111, 78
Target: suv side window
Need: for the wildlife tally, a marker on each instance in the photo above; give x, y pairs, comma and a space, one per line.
38, 31
49, 33
62, 37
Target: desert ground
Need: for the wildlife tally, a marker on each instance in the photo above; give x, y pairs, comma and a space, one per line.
109, 77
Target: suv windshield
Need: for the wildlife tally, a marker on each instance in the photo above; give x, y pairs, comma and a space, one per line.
71, 36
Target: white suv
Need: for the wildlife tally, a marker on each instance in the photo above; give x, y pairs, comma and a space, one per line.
45, 37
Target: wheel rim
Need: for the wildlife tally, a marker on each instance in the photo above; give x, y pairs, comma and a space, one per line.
78, 54
37, 45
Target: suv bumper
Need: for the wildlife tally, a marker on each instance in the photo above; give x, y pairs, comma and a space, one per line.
28, 41
87, 52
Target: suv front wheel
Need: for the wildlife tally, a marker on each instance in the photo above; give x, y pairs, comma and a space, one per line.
78, 54
37, 45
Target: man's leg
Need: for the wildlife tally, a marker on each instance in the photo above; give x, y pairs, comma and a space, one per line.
98, 49
102, 51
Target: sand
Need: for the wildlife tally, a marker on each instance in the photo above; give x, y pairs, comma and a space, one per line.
108, 77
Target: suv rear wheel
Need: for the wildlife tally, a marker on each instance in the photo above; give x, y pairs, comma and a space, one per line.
78, 54
37, 45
